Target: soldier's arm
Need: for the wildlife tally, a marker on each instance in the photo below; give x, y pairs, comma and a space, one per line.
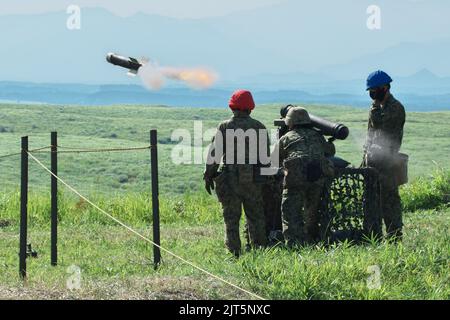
393, 122
281, 151
267, 137
262, 131
376, 116
214, 153
264, 155
374, 113
394, 119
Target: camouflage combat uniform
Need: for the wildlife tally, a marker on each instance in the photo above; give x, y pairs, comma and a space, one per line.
384, 139
273, 191
301, 198
236, 186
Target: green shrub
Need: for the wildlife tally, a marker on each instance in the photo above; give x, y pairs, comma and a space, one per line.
427, 193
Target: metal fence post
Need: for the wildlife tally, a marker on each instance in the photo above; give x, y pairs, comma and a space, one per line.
54, 199
155, 197
23, 209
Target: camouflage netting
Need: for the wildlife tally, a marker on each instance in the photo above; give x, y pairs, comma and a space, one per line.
350, 205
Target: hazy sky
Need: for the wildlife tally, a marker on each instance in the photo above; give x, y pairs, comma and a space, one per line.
172, 8
262, 37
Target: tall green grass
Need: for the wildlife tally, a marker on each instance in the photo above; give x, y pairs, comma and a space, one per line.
133, 208
192, 227
190, 209
427, 192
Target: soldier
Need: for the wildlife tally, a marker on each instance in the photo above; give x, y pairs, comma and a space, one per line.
302, 153
235, 180
273, 215
384, 139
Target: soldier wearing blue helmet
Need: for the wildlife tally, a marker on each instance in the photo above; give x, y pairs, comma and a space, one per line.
378, 79
384, 139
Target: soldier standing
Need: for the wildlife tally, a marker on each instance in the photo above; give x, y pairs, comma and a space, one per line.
384, 139
302, 153
234, 172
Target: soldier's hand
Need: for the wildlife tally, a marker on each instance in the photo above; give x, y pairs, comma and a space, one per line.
376, 107
376, 104
209, 185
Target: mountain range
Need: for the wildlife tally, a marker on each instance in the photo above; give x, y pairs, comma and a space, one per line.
81, 94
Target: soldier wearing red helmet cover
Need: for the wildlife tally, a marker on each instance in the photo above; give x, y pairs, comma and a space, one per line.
235, 182
242, 100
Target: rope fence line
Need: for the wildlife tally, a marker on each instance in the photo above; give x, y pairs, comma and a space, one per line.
87, 150
10, 155
76, 150
142, 236
19, 153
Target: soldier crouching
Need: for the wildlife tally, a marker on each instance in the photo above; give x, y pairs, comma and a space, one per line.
302, 153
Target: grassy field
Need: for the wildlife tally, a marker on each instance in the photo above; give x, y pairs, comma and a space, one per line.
118, 265
426, 141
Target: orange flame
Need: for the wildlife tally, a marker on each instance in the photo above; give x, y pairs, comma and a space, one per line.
197, 78
154, 76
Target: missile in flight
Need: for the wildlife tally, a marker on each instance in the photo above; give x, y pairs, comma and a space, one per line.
132, 64
154, 76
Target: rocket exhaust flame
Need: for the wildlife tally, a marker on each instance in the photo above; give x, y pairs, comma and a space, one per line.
197, 78
154, 76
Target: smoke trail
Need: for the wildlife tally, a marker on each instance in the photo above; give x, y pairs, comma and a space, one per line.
154, 77
358, 136
151, 76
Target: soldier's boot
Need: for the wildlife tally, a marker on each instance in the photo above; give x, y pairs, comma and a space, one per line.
233, 241
393, 229
395, 235
292, 218
312, 235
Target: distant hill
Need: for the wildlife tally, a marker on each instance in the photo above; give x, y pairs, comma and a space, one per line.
80, 94
423, 82
402, 58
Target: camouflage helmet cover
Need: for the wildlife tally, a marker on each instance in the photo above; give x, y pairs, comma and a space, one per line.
297, 116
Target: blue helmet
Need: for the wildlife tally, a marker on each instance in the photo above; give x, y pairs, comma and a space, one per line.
377, 79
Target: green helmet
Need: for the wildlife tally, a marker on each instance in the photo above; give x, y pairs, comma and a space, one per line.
297, 116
